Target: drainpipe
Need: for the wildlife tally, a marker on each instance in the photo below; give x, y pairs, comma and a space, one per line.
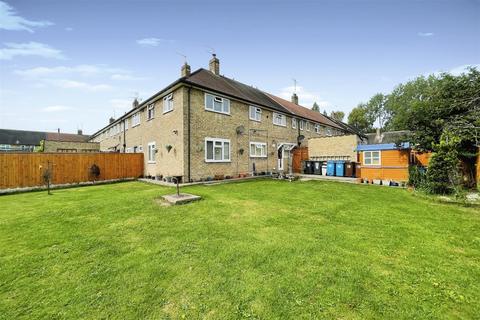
189, 138
124, 138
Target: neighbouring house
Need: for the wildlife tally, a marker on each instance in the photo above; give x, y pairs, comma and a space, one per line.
205, 125
30, 141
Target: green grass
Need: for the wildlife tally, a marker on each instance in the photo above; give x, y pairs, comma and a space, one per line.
260, 249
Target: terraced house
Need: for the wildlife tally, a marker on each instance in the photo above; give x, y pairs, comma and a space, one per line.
206, 125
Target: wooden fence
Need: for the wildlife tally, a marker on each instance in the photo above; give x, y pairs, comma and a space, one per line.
19, 170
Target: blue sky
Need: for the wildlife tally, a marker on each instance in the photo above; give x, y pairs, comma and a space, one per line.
73, 64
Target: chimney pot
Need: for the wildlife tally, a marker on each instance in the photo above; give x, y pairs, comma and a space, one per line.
185, 70
79, 132
294, 98
111, 120
214, 65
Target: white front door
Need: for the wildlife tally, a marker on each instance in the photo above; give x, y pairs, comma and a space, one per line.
280, 158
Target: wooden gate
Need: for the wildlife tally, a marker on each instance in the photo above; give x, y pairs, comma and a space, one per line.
298, 155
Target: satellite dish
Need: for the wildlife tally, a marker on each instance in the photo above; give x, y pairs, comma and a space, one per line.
240, 129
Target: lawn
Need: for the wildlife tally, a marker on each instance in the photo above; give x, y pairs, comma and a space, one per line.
259, 249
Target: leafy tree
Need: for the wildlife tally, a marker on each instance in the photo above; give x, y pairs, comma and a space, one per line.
337, 115
361, 118
315, 107
377, 109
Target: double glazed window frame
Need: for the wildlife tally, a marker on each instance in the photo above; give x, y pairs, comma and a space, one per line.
279, 116
255, 113
151, 111
372, 158
218, 104
262, 146
294, 123
168, 103
151, 151
136, 119
225, 147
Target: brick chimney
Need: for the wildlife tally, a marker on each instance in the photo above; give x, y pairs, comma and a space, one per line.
294, 98
79, 132
214, 65
135, 103
185, 70
111, 120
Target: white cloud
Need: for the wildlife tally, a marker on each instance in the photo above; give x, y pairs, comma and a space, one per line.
425, 34
72, 84
462, 69
305, 97
152, 42
84, 70
125, 77
56, 108
122, 104
10, 20
29, 49
68, 29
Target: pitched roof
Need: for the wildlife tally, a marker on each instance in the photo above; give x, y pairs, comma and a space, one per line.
305, 112
33, 138
222, 84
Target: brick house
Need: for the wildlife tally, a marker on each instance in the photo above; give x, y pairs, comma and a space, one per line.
205, 124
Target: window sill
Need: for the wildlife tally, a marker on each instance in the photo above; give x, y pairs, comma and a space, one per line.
168, 111
256, 120
150, 119
259, 157
133, 126
280, 125
218, 161
219, 112
151, 162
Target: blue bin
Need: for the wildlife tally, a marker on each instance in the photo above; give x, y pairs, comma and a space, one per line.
340, 168
330, 168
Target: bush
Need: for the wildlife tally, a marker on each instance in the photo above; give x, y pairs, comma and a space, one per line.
417, 177
443, 175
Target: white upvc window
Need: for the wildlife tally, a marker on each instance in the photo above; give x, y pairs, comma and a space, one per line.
317, 128
136, 119
168, 103
255, 113
151, 111
258, 150
217, 104
125, 124
329, 131
151, 152
302, 124
279, 119
372, 158
294, 123
217, 150
307, 125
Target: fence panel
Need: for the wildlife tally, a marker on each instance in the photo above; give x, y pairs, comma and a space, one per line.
19, 170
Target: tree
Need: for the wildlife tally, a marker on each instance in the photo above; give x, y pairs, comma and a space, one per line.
361, 118
315, 107
337, 115
377, 109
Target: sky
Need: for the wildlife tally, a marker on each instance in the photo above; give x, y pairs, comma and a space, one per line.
74, 64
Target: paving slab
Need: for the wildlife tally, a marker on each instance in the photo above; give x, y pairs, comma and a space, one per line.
182, 198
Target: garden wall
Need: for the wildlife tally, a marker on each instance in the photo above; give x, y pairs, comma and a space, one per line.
19, 170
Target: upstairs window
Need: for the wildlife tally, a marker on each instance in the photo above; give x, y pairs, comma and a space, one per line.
136, 119
294, 123
125, 124
168, 103
217, 104
317, 128
217, 150
307, 125
258, 150
371, 158
151, 112
302, 124
329, 132
255, 114
279, 119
